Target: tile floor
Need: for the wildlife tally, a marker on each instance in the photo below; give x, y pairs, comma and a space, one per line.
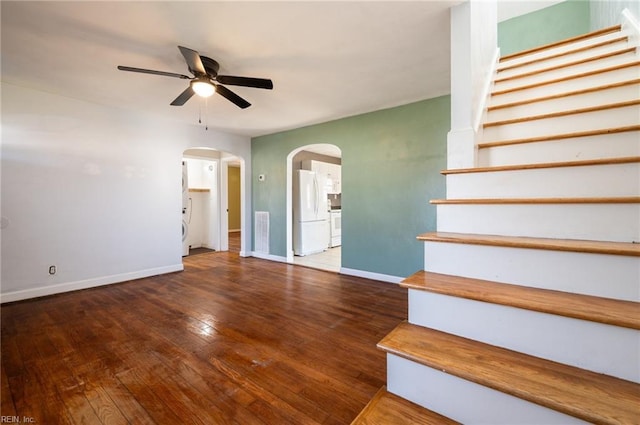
328, 260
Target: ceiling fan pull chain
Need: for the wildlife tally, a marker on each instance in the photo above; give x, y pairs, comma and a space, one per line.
206, 115
200, 114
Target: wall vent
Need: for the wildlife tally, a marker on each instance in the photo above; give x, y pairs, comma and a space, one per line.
261, 227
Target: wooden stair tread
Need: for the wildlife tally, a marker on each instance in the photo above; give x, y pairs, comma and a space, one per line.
565, 94
586, 307
590, 396
570, 245
570, 40
568, 64
569, 52
602, 161
559, 136
567, 78
386, 408
564, 113
537, 201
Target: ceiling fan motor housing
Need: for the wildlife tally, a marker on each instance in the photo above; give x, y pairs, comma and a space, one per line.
210, 65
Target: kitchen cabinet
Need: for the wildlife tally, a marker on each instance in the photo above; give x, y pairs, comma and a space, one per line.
332, 171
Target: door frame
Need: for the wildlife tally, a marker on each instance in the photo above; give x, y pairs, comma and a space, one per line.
289, 195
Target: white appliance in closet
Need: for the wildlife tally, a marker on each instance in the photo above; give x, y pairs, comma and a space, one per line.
185, 208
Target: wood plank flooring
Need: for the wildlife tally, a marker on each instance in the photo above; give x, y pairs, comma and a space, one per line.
228, 341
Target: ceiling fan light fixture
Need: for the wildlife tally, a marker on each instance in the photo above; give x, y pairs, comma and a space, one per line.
203, 88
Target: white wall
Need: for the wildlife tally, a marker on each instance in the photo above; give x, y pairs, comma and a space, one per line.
474, 41
95, 191
203, 207
608, 13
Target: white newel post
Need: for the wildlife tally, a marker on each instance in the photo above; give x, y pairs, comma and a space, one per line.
631, 26
474, 55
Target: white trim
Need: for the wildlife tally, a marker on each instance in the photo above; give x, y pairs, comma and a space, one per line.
86, 284
349, 272
462, 150
289, 194
234, 230
269, 257
630, 23
486, 91
371, 275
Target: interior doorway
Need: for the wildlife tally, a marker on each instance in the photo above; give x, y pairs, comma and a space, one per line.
234, 205
212, 180
201, 221
314, 207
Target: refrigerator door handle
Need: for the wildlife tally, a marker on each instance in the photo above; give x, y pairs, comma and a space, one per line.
315, 197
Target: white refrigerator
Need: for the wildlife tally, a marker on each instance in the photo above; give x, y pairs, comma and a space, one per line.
311, 232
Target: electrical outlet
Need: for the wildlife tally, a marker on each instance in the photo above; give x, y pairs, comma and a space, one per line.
52, 270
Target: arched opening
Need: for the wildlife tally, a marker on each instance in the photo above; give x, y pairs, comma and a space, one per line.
211, 182
314, 185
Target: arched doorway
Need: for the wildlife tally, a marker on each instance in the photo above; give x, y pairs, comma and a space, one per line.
207, 188
325, 161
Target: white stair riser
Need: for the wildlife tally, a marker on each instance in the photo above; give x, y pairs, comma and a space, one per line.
560, 49
609, 276
565, 59
565, 72
604, 78
609, 118
616, 145
603, 222
464, 401
571, 182
566, 103
588, 345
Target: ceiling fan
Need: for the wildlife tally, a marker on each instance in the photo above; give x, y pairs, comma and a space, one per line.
205, 80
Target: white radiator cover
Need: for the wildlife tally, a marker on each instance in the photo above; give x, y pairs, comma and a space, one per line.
261, 226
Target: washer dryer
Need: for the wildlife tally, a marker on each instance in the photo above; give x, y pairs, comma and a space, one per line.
185, 207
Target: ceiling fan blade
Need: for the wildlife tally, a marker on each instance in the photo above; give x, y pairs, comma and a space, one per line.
183, 97
193, 61
259, 83
153, 72
229, 95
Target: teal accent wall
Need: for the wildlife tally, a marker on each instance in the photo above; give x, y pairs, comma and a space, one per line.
544, 26
391, 163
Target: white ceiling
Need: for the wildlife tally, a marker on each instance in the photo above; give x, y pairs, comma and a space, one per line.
327, 59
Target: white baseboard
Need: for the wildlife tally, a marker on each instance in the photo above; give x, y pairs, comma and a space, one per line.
269, 257
350, 272
85, 284
371, 275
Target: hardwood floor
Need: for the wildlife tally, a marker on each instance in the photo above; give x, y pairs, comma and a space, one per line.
234, 241
228, 341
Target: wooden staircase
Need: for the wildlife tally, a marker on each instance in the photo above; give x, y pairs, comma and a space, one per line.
528, 307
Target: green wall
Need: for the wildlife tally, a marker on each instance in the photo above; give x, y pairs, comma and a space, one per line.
544, 26
391, 163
